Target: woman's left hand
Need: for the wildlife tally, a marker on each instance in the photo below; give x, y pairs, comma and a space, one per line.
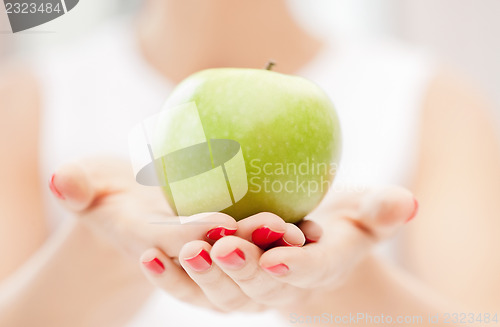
266, 264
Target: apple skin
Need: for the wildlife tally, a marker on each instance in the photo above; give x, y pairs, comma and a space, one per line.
278, 120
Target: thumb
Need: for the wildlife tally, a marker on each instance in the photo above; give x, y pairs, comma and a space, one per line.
79, 184
72, 186
383, 212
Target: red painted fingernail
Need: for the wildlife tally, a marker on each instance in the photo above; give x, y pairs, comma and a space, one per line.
264, 236
235, 259
200, 262
308, 241
415, 211
54, 189
283, 242
279, 269
155, 266
219, 232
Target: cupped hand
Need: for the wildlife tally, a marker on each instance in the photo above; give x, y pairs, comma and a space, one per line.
265, 264
103, 193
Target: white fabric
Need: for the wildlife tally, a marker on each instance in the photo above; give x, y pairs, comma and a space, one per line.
94, 92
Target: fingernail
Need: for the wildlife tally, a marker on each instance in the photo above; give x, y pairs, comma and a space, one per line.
155, 266
278, 270
264, 236
54, 189
219, 232
415, 211
308, 241
200, 262
283, 242
235, 259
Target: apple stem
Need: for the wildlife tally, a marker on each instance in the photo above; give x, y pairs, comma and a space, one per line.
270, 65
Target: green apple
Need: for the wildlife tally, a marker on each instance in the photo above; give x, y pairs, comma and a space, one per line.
244, 141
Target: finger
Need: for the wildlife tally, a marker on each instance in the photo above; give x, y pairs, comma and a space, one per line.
80, 183
239, 259
264, 229
293, 237
104, 193
312, 231
346, 242
220, 290
71, 185
165, 274
345, 201
318, 264
170, 235
382, 212
209, 226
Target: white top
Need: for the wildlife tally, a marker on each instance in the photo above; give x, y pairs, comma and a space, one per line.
96, 91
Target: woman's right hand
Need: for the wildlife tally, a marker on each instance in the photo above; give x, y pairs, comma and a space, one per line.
102, 192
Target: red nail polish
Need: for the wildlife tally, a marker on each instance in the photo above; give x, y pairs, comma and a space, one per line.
235, 259
219, 232
264, 236
54, 189
308, 241
283, 242
155, 266
279, 269
415, 211
200, 262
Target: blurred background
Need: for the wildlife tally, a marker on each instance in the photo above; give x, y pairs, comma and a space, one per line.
463, 33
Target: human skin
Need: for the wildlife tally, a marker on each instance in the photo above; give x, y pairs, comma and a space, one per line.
308, 279
455, 119
468, 212
403, 294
